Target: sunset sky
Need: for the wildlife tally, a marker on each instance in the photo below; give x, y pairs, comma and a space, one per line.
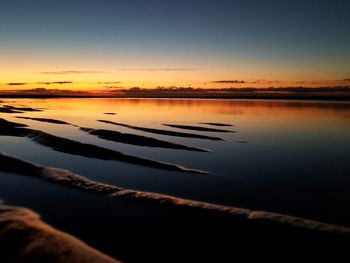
103, 44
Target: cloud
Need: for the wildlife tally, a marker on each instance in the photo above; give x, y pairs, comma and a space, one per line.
264, 81
66, 72
34, 90
109, 82
56, 82
16, 83
113, 87
158, 69
45, 91
229, 82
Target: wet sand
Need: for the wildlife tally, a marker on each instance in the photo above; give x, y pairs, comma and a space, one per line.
250, 230
126, 138
217, 124
28, 109
164, 132
83, 149
7, 110
67, 178
196, 128
139, 140
45, 120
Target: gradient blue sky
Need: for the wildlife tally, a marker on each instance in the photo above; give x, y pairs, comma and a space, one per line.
174, 42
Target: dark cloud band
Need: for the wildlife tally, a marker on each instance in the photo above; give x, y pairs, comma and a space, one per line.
16, 84
64, 72
56, 82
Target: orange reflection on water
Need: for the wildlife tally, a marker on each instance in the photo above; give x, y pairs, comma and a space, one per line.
153, 112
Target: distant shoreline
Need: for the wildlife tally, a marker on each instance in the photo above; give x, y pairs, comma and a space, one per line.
339, 93
228, 96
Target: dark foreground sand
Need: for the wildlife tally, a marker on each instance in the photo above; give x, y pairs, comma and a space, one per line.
24, 237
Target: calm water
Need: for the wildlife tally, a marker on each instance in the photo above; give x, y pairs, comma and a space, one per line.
296, 160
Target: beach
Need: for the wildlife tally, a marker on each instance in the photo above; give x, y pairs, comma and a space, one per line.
174, 179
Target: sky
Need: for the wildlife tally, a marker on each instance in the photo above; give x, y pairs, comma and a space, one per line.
102, 44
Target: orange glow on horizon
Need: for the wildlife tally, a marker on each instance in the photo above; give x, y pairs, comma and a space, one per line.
92, 79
